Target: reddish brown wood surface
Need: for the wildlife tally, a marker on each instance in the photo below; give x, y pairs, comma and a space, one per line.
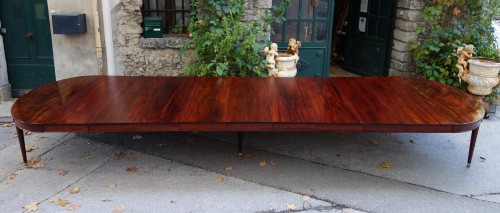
119, 103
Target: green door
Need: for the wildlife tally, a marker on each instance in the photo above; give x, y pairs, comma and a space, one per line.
28, 44
309, 21
369, 35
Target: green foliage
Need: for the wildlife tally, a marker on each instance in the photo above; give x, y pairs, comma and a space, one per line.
226, 46
452, 24
177, 29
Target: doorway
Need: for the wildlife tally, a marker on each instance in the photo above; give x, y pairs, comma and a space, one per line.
362, 36
28, 44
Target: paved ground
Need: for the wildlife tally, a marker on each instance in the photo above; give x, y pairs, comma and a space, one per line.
308, 172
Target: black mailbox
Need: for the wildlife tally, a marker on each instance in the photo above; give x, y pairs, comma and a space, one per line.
69, 23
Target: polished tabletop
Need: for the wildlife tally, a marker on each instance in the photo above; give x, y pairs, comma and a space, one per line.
125, 103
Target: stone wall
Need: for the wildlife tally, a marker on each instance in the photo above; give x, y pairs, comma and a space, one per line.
158, 56
5, 92
407, 20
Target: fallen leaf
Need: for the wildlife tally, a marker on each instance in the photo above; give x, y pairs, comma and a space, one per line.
291, 206
119, 155
11, 176
219, 179
482, 159
62, 202
173, 202
305, 198
74, 190
37, 138
228, 168
111, 185
106, 200
53, 199
263, 163
413, 141
246, 155
7, 124
35, 163
161, 145
385, 165
346, 210
374, 142
132, 169
74, 207
120, 209
30, 148
89, 157
137, 137
63, 172
341, 135
14, 135
33, 206
456, 11
27, 133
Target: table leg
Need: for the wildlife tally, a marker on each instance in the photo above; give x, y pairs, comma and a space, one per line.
240, 143
472, 145
20, 136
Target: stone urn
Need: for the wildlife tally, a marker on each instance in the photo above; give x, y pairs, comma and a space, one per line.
286, 64
482, 75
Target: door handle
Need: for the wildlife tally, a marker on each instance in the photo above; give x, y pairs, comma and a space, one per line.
29, 36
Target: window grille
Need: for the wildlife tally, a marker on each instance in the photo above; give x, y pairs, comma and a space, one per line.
174, 13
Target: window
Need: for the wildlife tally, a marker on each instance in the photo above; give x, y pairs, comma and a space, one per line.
174, 13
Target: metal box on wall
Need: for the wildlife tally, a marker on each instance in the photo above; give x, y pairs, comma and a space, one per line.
69, 24
152, 27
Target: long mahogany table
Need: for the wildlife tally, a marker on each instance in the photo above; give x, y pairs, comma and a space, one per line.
138, 104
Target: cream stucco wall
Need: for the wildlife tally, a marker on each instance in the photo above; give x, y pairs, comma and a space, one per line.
74, 55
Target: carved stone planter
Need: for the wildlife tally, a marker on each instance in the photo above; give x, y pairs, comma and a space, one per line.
482, 75
286, 63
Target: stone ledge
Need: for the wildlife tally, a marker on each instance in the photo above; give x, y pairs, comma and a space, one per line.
168, 41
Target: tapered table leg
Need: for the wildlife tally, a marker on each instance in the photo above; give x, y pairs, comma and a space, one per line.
472, 145
20, 136
240, 143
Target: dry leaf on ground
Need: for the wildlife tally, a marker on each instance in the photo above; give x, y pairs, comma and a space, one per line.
132, 169
7, 124
137, 137
37, 138
53, 199
228, 168
374, 142
63, 172
347, 211
14, 135
483, 159
219, 179
291, 206
385, 165
88, 157
27, 133
119, 155
263, 163
62, 202
74, 190
173, 201
341, 135
120, 208
11, 176
111, 185
305, 198
74, 207
35, 163
33, 206
246, 155
413, 141
31, 147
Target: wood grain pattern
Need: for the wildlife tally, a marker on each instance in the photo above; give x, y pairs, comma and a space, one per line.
120, 103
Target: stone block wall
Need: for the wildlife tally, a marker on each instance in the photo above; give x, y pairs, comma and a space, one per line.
139, 56
407, 21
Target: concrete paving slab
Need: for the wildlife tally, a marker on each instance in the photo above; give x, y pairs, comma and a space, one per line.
334, 184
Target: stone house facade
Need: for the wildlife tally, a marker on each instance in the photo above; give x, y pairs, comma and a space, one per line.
131, 54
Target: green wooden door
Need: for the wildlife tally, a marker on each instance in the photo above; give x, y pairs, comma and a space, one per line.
369, 37
28, 44
309, 21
